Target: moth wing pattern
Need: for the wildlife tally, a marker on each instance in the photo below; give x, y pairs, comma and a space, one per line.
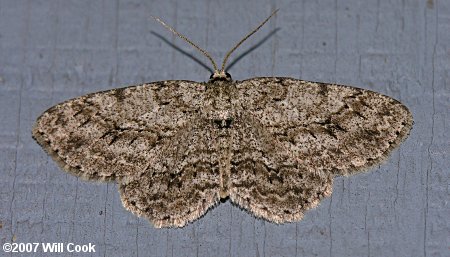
184, 182
308, 132
272, 145
267, 180
121, 134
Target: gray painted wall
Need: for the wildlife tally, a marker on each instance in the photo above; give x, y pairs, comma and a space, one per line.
52, 50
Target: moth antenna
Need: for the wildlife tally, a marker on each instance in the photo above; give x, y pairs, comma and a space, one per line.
245, 38
188, 41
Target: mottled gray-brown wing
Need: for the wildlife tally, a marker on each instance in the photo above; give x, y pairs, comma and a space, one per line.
138, 136
183, 183
305, 133
269, 180
115, 133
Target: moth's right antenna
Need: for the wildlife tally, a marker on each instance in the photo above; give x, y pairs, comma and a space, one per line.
189, 41
245, 38
217, 73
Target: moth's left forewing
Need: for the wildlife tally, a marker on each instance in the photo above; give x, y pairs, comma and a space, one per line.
113, 134
147, 138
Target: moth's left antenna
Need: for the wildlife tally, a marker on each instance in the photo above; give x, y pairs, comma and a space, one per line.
189, 41
217, 73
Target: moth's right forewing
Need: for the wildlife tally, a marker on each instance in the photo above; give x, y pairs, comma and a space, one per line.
332, 128
314, 131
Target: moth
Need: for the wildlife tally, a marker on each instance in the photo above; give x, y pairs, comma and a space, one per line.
176, 148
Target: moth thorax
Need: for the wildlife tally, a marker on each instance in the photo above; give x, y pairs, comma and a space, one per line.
222, 119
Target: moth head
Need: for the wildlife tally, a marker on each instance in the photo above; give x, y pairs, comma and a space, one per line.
218, 75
